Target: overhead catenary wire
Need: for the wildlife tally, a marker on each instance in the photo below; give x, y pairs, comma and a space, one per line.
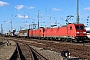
71, 5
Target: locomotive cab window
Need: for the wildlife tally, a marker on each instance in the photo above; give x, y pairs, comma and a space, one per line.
70, 28
79, 27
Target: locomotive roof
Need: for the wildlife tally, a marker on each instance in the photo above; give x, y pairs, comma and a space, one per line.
23, 30
76, 23
72, 23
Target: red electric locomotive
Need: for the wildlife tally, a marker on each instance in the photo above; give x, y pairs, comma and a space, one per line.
69, 32
37, 33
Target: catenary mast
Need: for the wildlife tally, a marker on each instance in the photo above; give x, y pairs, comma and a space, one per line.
77, 17
38, 19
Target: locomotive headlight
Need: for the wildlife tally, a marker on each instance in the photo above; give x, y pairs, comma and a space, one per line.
84, 32
77, 32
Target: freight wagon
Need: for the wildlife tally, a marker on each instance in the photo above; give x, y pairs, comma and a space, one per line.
23, 33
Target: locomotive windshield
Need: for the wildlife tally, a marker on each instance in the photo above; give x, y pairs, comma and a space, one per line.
87, 31
79, 27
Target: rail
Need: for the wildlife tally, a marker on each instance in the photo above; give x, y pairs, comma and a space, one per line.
36, 55
17, 55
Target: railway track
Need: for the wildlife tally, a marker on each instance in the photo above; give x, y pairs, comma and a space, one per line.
25, 52
76, 49
17, 55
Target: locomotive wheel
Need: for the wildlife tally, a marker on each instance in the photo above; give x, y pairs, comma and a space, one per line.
68, 40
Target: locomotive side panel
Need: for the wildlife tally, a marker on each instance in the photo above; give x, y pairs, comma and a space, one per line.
50, 32
54, 32
36, 33
63, 31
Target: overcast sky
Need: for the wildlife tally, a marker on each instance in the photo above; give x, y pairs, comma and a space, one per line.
23, 13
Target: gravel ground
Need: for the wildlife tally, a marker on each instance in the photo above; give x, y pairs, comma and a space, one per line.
50, 55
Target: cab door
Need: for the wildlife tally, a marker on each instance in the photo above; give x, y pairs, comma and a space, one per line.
71, 31
42, 32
